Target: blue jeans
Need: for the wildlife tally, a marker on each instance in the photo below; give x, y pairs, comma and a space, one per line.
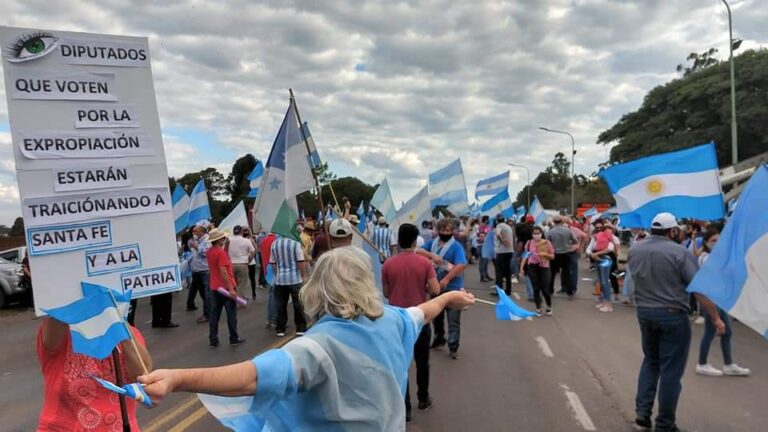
271, 305
528, 287
454, 327
219, 302
666, 339
574, 274
484, 268
603, 267
709, 336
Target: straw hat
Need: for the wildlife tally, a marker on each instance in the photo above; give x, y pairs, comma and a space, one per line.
216, 235
309, 226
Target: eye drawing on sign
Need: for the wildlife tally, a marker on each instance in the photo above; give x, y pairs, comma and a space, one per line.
31, 46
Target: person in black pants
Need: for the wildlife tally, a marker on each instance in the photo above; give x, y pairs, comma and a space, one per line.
538, 253
162, 305
504, 245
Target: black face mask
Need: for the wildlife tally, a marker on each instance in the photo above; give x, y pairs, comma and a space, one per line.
445, 237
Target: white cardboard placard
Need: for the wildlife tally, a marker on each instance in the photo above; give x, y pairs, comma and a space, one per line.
71, 97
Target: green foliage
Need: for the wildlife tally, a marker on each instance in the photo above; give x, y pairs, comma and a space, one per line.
238, 185
216, 185
695, 109
699, 61
18, 227
350, 187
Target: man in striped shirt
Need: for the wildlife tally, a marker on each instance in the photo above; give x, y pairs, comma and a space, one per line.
290, 268
384, 239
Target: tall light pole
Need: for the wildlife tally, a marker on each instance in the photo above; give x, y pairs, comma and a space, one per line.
573, 166
734, 135
528, 181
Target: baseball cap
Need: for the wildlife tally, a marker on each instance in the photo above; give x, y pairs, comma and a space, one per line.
382, 220
529, 219
340, 228
664, 221
558, 219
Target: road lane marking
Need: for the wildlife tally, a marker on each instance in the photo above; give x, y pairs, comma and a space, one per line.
189, 420
516, 296
544, 346
159, 423
579, 412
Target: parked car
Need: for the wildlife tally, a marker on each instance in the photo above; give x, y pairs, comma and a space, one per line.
10, 278
15, 255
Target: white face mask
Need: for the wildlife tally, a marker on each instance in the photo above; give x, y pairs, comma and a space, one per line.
537, 236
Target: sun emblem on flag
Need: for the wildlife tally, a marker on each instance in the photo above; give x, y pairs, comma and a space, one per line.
411, 216
655, 187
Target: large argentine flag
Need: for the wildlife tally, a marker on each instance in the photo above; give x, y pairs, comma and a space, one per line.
735, 276
685, 183
236, 217
254, 179
492, 185
198, 206
287, 174
498, 204
180, 201
382, 200
448, 188
537, 211
95, 321
416, 210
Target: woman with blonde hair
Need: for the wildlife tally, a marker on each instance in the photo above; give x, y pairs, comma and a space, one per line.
349, 370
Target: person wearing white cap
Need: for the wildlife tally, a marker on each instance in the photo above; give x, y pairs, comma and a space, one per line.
384, 239
661, 271
340, 231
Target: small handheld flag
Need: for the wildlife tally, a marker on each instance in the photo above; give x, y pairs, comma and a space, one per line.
508, 310
134, 391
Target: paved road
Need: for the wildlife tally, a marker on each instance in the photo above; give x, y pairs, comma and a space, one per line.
573, 371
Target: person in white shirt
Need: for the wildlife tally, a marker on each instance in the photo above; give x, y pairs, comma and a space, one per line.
241, 252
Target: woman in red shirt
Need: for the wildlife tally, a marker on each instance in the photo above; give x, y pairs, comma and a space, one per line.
73, 401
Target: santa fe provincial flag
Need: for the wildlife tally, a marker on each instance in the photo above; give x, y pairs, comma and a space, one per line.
416, 210
287, 174
735, 276
685, 183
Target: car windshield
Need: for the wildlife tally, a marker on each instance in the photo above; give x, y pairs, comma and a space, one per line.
4, 261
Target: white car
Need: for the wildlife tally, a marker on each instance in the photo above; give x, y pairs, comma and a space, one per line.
10, 278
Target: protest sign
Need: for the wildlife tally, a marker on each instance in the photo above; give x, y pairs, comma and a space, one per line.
90, 163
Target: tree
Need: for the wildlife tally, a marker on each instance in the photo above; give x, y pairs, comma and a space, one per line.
238, 185
695, 109
4, 230
215, 185
18, 227
700, 61
351, 187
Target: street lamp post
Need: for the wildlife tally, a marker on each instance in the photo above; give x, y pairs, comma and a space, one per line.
573, 166
528, 181
734, 135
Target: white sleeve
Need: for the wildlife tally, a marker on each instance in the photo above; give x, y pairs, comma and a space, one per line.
591, 245
418, 316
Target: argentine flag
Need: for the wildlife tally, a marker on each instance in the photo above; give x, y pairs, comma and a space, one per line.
735, 276
362, 219
180, 201
416, 210
537, 211
591, 212
520, 212
314, 157
492, 185
448, 188
685, 183
382, 200
198, 206
287, 174
498, 204
254, 179
508, 310
96, 320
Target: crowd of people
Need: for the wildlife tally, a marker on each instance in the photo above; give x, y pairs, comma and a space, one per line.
334, 297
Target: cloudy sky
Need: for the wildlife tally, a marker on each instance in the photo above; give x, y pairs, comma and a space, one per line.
396, 88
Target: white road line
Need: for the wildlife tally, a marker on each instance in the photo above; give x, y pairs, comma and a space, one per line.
516, 296
579, 412
544, 346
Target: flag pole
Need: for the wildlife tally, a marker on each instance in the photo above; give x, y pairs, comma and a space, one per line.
119, 382
130, 333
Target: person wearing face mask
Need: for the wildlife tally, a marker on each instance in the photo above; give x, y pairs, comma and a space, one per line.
449, 260
709, 239
661, 272
537, 255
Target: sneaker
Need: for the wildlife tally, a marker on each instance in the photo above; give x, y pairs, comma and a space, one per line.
214, 343
280, 334
708, 370
437, 343
538, 312
237, 342
548, 312
570, 297
494, 293
699, 320
300, 333
426, 405
202, 320
454, 355
643, 423
514, 280
269, 324
606, 308
735, 370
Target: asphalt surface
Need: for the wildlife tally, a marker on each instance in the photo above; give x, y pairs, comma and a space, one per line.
574, 371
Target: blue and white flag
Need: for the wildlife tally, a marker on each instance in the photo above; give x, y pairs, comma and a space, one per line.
537, 211
198, 206
329, 214
685, 183
361, 216
591, 212
416, 210
180, 201
492, 185
382, 200
448, 188
134, 391
319, 219
498, 204
254, 179
508, 310
96, 321
735, 277
520, 212
314, 157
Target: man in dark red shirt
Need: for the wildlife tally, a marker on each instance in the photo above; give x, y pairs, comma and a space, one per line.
407, 280
222, 276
